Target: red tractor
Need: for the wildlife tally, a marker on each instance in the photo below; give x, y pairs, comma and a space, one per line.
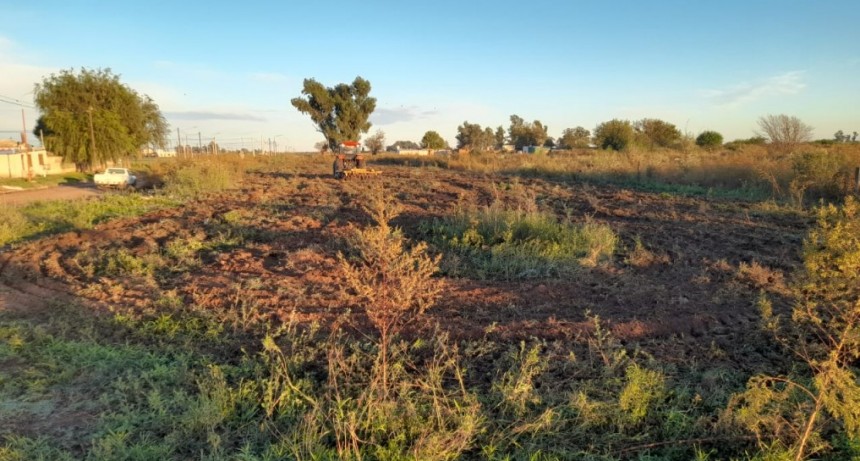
349, 162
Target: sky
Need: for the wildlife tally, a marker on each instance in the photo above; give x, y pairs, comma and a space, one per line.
226, 71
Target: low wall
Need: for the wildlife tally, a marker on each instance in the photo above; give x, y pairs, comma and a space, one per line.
36, 163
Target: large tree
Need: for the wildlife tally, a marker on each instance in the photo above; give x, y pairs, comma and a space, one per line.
340, 113
574, 138
783, 130
657, 133
471, 136
91, 117
404, 145
524, 134
615, 134
500, 138
433, 140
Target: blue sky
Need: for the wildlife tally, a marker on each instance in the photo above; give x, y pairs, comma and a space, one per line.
228, 70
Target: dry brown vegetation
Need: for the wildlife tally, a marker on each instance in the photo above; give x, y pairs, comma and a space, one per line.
741, 171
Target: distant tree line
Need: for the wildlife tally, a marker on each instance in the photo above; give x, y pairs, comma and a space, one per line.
341, 113
840, 137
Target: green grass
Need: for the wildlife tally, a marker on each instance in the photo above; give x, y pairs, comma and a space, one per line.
51, 217
46, 181
747, 192
183, 181
143, 389
164, 386
512, 244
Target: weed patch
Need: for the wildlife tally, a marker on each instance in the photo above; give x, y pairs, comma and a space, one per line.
196, 180
51, 217
509, 244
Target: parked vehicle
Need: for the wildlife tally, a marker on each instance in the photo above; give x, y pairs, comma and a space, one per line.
115, 177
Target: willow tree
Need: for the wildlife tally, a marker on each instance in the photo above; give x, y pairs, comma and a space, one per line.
92, 118
340, 113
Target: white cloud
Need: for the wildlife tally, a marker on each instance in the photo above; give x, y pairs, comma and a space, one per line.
787, 83
388, 116
200, 115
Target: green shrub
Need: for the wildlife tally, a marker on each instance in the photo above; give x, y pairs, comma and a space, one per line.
709, 139
425, 413
13, 225
516, 387
642, 391
816, 406
818, 172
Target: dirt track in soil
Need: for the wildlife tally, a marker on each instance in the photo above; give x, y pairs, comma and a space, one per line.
279, 236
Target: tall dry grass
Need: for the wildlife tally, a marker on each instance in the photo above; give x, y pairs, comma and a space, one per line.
744, 171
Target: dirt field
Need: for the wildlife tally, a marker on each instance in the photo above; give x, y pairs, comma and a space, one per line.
270, 250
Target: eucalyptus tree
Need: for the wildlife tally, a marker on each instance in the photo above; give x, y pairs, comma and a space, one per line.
473, 137
340, 113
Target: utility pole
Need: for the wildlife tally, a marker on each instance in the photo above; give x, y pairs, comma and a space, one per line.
92, 135
26, 146
857, 180
199, 143
178, 142
23, 128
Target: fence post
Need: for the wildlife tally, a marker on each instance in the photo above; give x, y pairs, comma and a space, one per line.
857, 180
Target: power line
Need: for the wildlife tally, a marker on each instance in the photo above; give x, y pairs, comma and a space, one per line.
11, 100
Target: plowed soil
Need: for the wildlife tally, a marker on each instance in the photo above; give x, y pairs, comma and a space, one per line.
270, 250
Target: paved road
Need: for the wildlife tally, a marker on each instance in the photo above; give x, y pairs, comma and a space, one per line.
61, 192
